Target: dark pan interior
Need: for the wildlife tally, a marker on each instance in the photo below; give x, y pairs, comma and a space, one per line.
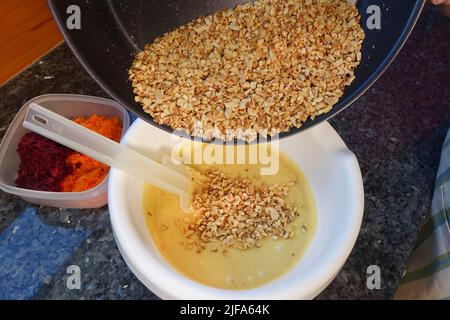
112, 31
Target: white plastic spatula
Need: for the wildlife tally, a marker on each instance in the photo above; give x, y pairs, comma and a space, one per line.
92, 144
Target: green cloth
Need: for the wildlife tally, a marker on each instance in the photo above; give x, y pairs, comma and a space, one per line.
428, 272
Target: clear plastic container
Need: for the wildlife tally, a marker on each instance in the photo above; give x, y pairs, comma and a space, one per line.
69, 106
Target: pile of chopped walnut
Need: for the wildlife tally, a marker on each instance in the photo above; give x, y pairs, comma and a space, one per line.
263, 67
237, 213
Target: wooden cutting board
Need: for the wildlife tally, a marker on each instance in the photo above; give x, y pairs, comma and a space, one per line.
27, 32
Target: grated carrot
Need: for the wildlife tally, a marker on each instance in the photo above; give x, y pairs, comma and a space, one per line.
86, 172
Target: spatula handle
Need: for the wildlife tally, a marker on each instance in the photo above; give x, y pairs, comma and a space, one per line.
92, 144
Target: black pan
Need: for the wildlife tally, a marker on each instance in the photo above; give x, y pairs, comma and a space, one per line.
112, 31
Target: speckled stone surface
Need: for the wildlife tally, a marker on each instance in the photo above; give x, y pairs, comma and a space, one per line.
396, 130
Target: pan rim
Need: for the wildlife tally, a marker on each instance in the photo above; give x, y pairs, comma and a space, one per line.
309, 123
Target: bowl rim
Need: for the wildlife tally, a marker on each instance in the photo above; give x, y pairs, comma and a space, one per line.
161, 278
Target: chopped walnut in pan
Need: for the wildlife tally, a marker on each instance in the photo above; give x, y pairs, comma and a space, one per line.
264, 66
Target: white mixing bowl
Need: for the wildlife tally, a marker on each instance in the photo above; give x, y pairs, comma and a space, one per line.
335, 178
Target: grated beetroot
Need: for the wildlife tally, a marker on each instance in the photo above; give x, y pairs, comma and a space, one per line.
42, 163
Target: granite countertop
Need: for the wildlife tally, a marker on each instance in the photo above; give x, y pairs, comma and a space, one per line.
395, 129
